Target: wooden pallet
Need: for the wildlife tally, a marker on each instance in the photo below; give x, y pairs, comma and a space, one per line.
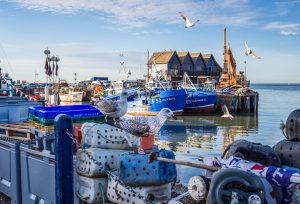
16, 131
41, 127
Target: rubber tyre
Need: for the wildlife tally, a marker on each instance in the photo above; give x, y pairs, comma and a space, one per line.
245, 184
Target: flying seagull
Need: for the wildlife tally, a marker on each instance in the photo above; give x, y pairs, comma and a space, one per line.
144, 126
249, 52
188, 22
114, 109
226, 112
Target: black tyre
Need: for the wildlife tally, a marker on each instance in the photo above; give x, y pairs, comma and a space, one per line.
230, 186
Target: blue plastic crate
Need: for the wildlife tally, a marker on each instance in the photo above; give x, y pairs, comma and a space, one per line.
10, 181
74, 111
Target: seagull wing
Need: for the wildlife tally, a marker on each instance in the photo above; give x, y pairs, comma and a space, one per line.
247, 49
106, 106
253, 55
225, 110
133, 127
186, 19
183, 16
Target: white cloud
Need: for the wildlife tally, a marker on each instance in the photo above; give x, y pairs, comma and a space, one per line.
141, 13
284, 28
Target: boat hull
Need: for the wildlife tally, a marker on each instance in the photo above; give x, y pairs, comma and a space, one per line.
200, 101
172, 99
71, 97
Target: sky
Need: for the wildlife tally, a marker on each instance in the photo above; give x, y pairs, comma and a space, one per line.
89, 35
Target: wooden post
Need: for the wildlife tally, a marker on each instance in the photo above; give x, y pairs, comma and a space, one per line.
64, 189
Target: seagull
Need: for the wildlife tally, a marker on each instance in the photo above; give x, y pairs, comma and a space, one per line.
138, 125
226, 112
188, 22
114, 109
249, 52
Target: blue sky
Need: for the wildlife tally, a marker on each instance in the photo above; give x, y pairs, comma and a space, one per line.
89, 35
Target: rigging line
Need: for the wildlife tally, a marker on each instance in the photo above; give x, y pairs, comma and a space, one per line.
5, 55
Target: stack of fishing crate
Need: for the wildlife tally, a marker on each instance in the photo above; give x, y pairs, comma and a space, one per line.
41, 121
109, 170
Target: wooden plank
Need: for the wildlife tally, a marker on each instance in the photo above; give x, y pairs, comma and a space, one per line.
15, 129
15, 137
8, 133
15, 125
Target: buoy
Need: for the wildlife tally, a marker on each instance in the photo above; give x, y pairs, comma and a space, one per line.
197, 188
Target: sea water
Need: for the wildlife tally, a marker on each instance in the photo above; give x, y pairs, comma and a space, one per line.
209, 135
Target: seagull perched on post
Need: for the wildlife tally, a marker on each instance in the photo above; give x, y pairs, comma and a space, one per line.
249, 52
143, 126
226, 112
188, 22
114, 109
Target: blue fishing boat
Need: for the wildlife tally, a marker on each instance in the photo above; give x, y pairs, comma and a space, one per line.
200, 101
173, 99
200, 98
151, 102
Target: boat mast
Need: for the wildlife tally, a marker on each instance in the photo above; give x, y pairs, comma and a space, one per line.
225, 58
148, 74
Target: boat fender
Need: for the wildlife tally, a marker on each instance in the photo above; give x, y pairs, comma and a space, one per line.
235, 186
135, 169
94, 162
119, 193
251, 151
292, 126
198, 187
288, 152
91, 190
102, 135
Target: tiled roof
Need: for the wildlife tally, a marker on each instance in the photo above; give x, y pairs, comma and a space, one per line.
182, 55
195, 56
161, 57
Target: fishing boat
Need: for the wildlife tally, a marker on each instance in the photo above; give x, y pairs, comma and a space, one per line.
72, 97
150, 103
200, 98
12, 108
200, 101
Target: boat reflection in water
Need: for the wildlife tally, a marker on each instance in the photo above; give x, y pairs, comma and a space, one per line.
206, 135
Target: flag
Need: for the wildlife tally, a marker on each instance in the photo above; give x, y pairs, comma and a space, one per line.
53, 68
46, 66
56, 71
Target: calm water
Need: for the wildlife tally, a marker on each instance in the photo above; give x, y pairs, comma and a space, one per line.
207, 135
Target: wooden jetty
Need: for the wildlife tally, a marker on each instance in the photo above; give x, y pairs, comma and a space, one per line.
247, 103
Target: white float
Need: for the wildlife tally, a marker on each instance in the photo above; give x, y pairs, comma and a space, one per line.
119, 193
94, 162
107, 137
91, 190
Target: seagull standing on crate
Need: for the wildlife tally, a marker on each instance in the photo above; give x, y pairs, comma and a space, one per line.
144, 126
114, 109
226, 112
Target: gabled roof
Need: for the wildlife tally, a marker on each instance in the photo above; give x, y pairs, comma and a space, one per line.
183, 55
196, 55
206, 57
161, 57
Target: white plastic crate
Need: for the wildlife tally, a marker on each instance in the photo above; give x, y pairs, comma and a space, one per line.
107, 136
93, 162
91, 190
119, 193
